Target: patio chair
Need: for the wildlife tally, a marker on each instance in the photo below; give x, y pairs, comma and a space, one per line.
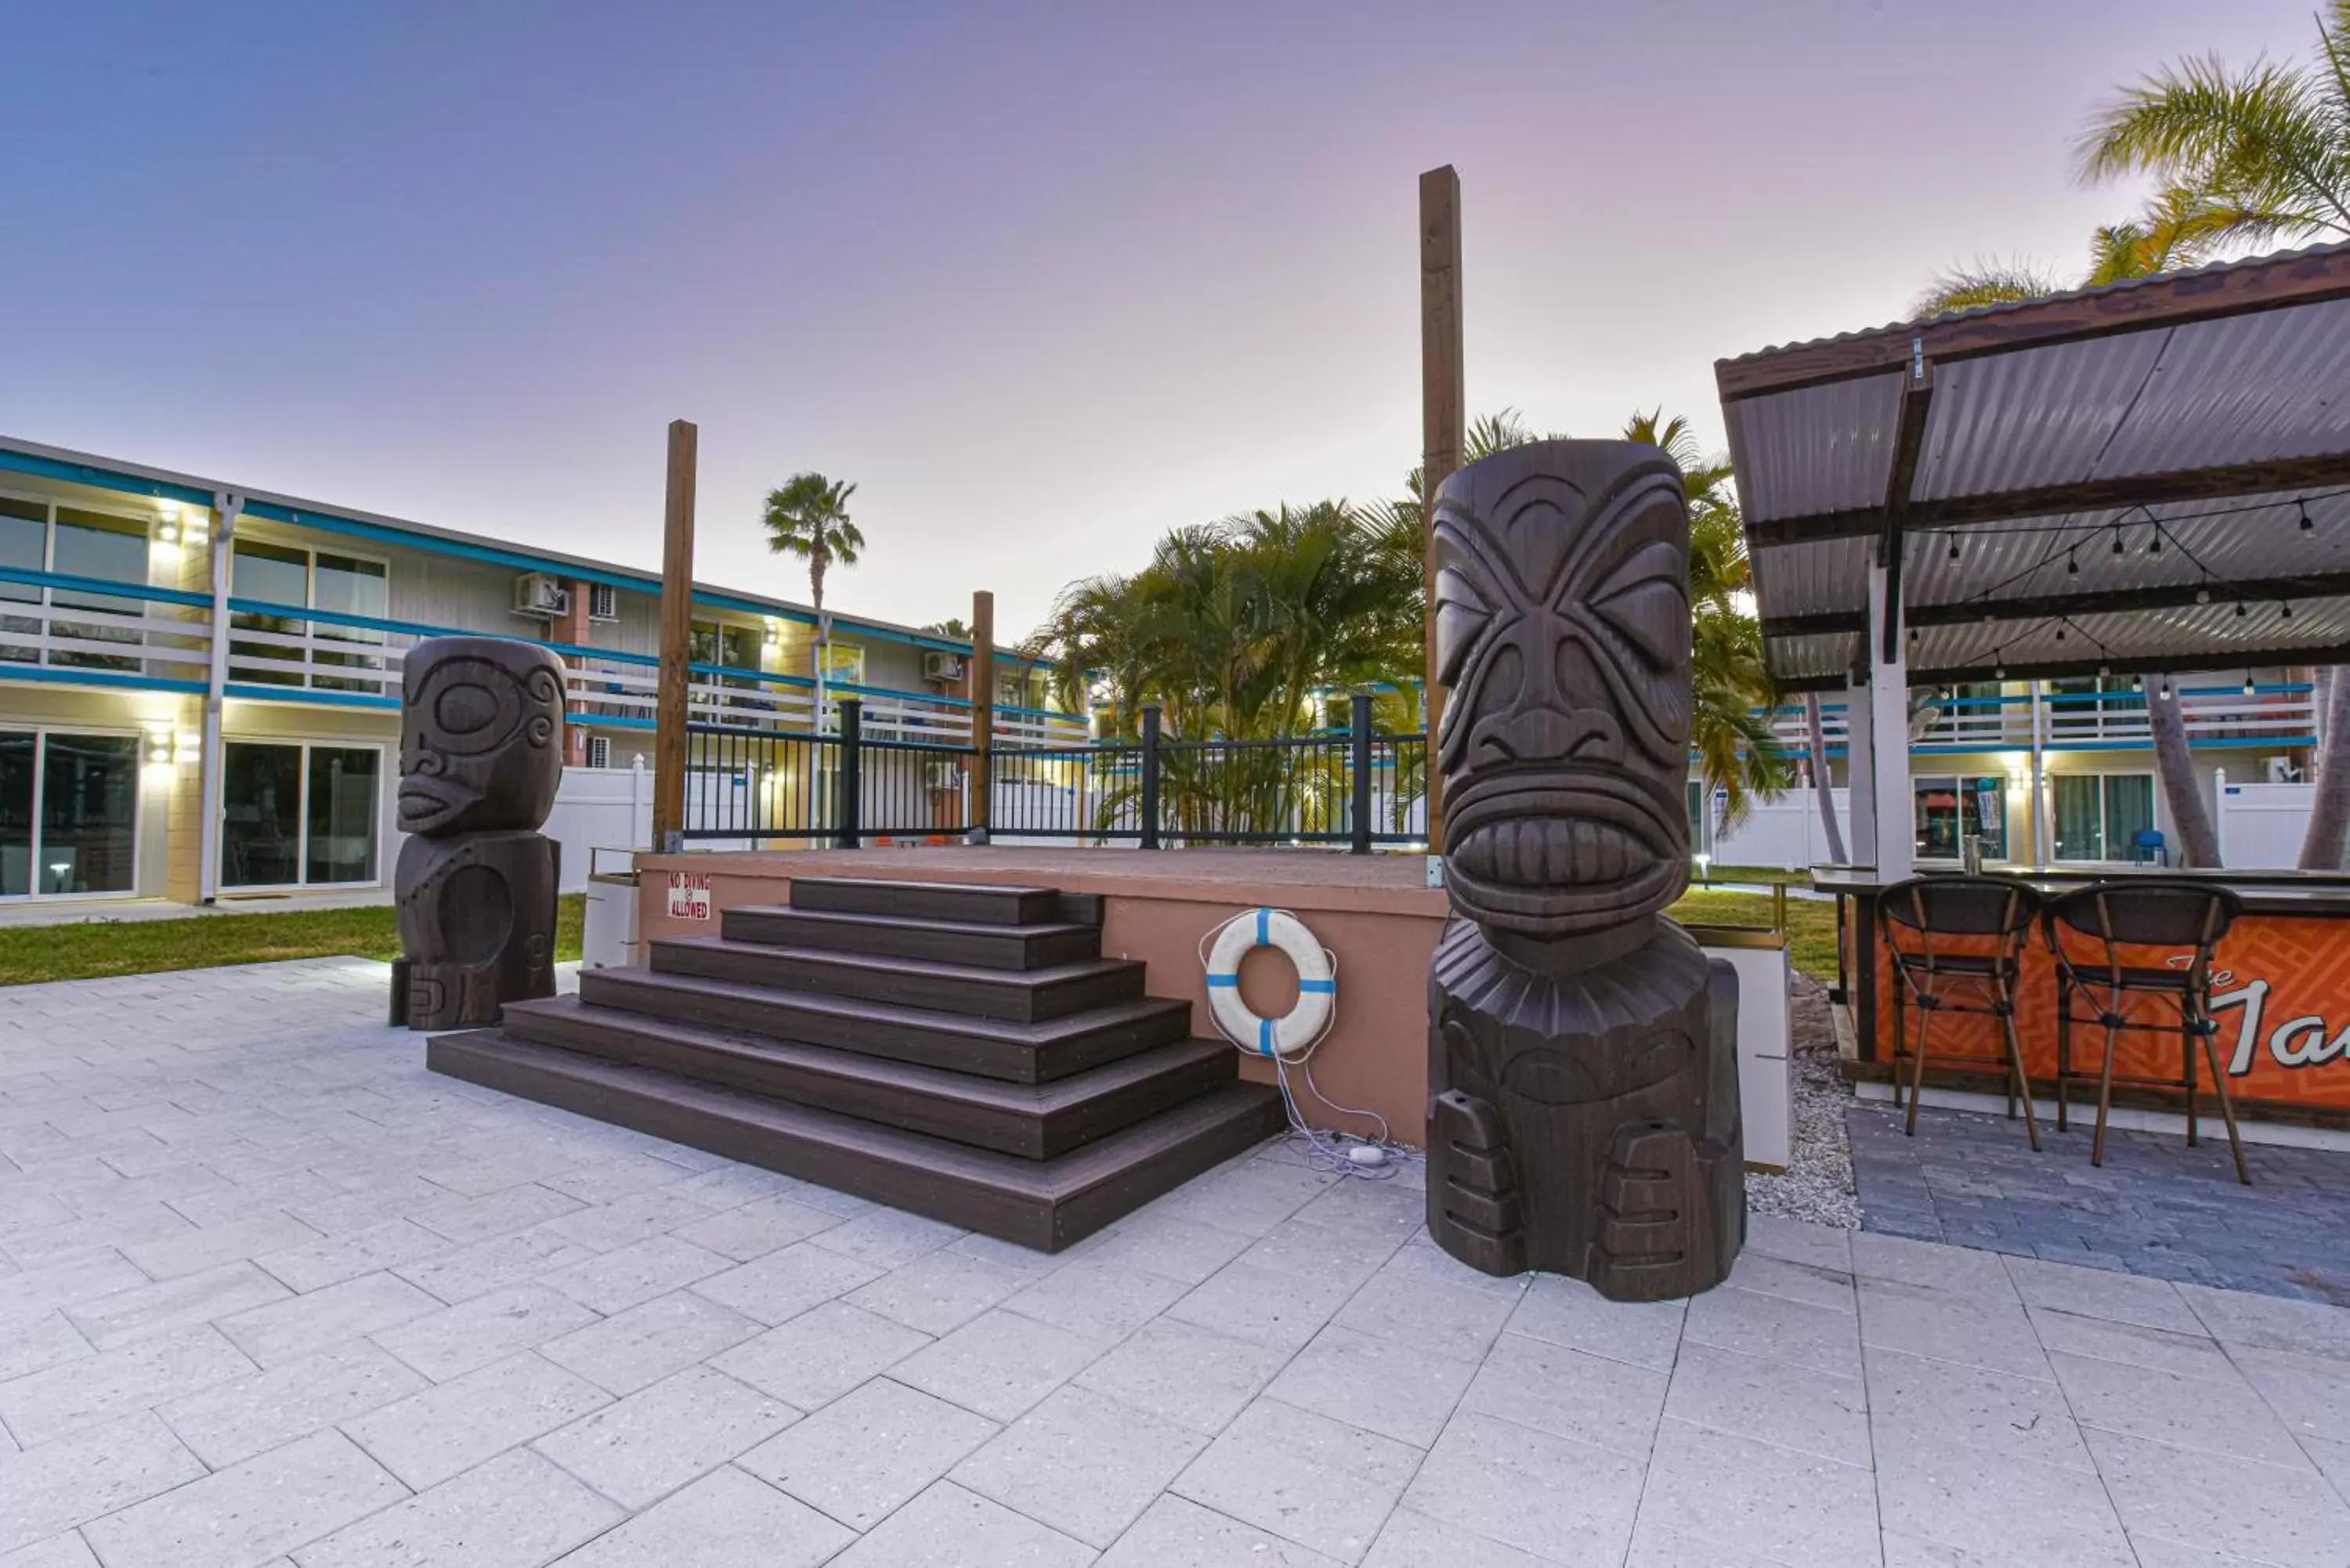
1967, 933
2148, 845
2174, 926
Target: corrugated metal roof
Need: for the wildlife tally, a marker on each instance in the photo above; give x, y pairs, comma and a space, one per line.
2245, 388
1813, 578
2194, 635
2133, 397
1796, 658
2010, 307
1822, 449
2233, 540
2014, 421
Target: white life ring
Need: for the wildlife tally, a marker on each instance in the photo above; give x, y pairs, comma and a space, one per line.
1294, 1033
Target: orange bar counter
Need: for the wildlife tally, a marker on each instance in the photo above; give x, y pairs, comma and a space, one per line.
2281, 995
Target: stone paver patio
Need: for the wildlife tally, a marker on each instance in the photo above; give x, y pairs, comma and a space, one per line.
2156, 1207
270, 1293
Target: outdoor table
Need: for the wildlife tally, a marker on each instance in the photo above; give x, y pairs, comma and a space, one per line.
2280, 994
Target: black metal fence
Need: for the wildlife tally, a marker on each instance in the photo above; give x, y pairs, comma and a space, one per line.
1353, 787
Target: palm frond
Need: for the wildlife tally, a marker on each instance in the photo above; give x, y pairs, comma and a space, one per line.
1984, 283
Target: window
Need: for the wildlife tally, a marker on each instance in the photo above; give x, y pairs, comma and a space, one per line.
68, 813
603, 602
23, 547
1699, 819
600, 751
2100, 815
1952, 808
287, 651
844, 661
295, 815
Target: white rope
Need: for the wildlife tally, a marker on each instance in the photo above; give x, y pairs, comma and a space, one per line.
1327, 1151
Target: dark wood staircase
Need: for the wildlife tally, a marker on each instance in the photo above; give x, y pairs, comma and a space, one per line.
958, 1050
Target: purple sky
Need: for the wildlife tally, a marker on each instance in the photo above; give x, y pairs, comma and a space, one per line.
1044, 280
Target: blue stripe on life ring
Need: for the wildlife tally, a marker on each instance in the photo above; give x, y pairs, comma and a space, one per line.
1224, 980
1264, 1037
1264, 927
1320, 987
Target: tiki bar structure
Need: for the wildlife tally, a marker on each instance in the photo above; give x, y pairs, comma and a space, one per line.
2111, 488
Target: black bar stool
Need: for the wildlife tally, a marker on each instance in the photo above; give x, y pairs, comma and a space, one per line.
2186, 917
1982, 923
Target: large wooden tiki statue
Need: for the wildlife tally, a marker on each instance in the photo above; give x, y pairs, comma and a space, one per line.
1582, 1064
481, 758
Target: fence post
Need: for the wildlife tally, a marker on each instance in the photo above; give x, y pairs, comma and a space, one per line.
1150, 775
851, 777
1362, 766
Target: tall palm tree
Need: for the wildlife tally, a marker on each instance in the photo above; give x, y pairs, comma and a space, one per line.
1817, 748
807, 516
2244, 156
2248, 156
1738, 752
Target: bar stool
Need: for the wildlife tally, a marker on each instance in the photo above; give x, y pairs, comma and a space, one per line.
2186, 918
1983, 912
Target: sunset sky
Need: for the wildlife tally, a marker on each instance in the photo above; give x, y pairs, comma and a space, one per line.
1044, 280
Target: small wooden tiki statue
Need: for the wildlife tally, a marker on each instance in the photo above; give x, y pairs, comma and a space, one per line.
481, 758
1583, 1064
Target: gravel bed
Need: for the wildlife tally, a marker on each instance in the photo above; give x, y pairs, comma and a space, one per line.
1817, 1184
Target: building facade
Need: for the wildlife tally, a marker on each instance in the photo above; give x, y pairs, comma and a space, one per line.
198, 681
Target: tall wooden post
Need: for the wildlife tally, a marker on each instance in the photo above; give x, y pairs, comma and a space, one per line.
670, 707
1443, 405
983, 710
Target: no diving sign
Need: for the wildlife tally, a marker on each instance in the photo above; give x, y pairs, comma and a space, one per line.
689, 895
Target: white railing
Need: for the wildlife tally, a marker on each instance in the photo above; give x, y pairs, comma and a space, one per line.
2280, 713
100, 631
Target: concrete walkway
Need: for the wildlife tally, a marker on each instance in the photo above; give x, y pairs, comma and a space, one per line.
270, 1292
17, 913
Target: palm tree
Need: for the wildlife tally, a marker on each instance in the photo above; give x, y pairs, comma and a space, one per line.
1735, 698
808, 517
2247, 156
1817, 748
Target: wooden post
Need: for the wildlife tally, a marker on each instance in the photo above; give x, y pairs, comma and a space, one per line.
669, 709
1443, 405
983, 710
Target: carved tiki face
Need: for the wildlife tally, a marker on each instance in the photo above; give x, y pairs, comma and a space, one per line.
480, 735
1562, 646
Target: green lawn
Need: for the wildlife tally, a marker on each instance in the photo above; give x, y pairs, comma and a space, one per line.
1811, 924
93, 948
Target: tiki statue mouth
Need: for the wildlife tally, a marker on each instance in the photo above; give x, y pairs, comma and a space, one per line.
1558, 853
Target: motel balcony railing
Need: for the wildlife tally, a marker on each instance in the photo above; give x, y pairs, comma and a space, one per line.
2283, 713
93, 631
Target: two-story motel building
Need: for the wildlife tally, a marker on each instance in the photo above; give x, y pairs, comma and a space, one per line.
199, 679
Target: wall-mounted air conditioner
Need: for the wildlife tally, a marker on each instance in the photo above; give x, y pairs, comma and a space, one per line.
603, 602
2282, 770
542, 596
939, 665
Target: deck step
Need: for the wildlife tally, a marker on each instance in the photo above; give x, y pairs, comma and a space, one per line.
1033, 1121
985, 945
1045, 1204
1014, 1052
972, 903
1025, 996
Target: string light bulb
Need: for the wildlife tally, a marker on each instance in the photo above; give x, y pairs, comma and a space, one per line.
2305, 523
2072, 563
2248, 682
1954, 546
2153, 545
2240, 612
2284, 610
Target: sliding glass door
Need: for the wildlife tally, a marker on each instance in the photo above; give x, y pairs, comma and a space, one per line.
68, 813
295, 815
